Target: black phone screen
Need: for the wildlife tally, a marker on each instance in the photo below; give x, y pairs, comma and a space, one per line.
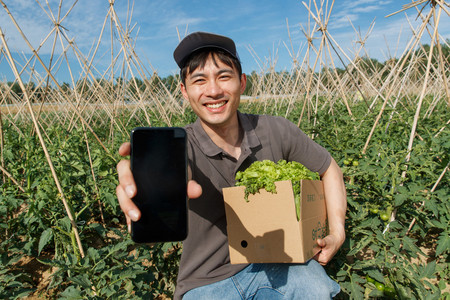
159, 166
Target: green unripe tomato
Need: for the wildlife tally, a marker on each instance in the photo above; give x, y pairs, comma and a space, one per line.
355, 163
384, 216
374, 210
370, 279
346, 162
379, 286
389, 291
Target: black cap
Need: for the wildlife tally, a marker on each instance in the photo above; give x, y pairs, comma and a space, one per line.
199, 40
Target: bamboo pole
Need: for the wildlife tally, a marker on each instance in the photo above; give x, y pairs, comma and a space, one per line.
419, 105
442, 66
47, 70
2, 160
44, 148
5, 172
424, 87
366, 145
322, 28
422, 205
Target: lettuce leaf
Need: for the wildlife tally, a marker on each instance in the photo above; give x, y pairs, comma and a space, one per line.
263, 175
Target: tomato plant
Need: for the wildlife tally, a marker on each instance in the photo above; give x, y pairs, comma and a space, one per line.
376, 247
410, 263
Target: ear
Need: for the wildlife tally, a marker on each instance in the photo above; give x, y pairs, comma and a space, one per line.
243, 82
184, 92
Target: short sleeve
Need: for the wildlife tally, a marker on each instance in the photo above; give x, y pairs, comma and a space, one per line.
297, 146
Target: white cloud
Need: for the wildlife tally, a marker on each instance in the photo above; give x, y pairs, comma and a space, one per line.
366, 9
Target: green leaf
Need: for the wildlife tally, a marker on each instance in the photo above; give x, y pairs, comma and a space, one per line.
400, 199
443, 244
429, 270
82, 280
71, 293
376, 274
93, 254
356, 291
46, 237
376, 294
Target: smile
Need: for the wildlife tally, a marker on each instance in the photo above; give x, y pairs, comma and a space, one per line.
216, 105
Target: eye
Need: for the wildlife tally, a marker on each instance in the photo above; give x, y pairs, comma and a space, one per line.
199, 80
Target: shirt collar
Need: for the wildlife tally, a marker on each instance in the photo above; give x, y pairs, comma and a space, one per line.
250, 139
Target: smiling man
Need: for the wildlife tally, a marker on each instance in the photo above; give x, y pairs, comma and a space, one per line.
213, 85
222, 142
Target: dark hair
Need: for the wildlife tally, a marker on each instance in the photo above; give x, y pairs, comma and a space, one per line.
199, 58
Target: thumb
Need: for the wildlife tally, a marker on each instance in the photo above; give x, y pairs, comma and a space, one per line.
321, 243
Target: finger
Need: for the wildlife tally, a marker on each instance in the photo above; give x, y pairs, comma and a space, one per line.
126, 179
321, 258
316, 257
125, 149
128, 223
127, 205
321, 243
194, 190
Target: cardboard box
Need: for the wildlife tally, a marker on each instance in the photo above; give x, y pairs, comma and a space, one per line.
266, 230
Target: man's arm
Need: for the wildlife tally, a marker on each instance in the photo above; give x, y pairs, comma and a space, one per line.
336, 201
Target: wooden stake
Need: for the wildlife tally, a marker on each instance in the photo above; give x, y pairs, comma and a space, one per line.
47, 155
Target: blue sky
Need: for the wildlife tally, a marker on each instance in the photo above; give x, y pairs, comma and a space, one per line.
259, 25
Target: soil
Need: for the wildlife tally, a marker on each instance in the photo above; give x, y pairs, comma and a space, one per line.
39, 273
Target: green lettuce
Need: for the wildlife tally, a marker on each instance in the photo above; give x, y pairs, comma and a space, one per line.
263, 175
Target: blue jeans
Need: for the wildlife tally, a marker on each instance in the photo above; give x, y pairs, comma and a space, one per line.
271, 282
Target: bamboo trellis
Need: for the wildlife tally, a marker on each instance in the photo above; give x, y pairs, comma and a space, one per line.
101, 96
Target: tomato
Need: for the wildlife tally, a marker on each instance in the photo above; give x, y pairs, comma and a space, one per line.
384, 216
374, 210
355, 163
379, 286
370, 279
390, 292
346, 162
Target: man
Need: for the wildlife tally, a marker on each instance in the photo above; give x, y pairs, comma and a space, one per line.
221, 142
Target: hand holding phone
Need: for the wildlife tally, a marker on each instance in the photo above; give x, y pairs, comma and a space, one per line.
159, 166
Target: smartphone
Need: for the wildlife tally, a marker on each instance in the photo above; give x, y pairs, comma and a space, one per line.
159, 167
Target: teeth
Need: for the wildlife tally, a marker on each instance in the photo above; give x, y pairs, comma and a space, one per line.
216, 105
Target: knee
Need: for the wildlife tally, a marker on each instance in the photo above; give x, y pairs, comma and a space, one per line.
312, 282
324, 289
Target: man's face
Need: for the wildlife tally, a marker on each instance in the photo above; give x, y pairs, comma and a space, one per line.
214, 93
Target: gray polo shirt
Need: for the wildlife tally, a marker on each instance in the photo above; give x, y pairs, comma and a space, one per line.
205, 258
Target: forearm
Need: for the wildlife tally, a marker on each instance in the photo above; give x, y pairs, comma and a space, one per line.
336, 200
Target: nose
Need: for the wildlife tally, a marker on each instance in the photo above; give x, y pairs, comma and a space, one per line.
213, 89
